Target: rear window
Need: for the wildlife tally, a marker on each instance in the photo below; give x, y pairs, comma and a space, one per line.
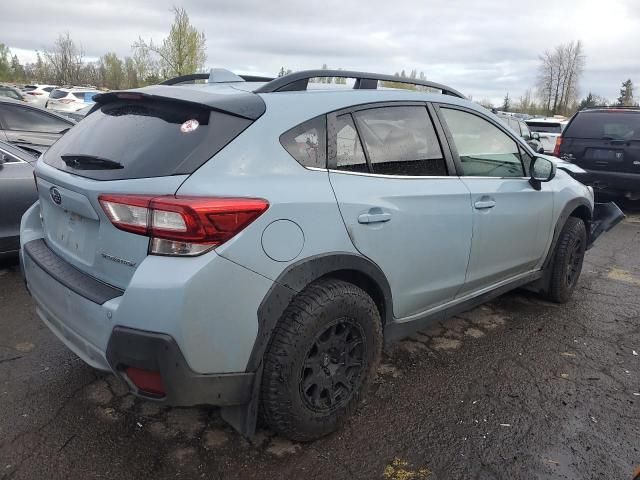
10, 93
307, 142
605, 125
58, 94
144, 138
29, 88
545, 127
85, 96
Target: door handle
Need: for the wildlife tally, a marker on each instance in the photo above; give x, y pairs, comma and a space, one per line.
374, 216
484, 204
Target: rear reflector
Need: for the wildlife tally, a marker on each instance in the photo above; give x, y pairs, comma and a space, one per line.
147, 381
182, 225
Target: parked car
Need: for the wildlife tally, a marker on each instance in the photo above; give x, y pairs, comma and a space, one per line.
17, 194
548, 130
71, 99
606, 143
37, 94
521, 128
30, 127
251, 245
11, 92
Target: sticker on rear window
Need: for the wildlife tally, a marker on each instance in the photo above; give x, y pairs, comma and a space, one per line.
189, 126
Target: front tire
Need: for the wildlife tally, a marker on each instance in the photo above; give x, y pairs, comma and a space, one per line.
322, 355
568, 259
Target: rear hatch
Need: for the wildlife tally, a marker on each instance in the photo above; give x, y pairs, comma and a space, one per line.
604, 140
138, 142
548, 132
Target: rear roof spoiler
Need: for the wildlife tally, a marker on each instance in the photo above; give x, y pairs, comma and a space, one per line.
241, 104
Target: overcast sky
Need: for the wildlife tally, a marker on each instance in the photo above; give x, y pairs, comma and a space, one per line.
482, 48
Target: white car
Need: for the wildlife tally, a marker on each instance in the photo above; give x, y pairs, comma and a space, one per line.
549, 129
71, 99
38, 94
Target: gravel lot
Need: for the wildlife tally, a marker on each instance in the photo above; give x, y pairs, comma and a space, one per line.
518, 388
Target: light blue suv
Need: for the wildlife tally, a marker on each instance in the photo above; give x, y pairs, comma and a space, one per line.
251, 244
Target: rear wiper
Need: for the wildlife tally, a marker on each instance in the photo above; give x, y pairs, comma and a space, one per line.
89, 162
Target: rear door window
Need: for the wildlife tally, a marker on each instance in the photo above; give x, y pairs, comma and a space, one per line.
307, 142
14, 117
349, 154
144, 138
605, 126
401, 141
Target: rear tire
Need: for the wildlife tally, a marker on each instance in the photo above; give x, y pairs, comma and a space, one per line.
323, 353
567, 261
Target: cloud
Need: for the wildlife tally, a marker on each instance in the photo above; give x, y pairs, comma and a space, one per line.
483, 49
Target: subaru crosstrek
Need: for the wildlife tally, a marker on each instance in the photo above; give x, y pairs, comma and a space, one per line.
252, 244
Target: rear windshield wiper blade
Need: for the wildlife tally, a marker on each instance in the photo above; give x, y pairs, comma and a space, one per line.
89, 162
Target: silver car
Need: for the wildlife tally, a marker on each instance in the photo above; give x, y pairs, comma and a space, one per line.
252, 244
17, 194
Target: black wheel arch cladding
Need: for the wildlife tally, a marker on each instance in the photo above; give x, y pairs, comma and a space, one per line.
346, 266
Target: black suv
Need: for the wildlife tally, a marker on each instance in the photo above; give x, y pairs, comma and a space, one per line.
606, 143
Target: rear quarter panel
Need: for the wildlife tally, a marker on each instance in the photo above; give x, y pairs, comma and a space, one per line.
256, 165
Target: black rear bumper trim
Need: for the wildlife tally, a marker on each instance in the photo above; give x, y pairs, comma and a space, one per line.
72, 278
159, 352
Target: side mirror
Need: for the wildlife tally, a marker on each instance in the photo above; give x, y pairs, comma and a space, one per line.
542, 170
535, 135
3, 159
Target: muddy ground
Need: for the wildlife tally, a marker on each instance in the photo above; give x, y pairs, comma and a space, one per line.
518, 388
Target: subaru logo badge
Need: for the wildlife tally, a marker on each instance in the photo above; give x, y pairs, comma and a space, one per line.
55, 195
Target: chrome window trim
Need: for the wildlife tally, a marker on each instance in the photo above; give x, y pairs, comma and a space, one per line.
380, 175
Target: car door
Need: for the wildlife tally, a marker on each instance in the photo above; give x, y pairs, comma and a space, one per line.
29, 126
402, 209
511, 219
17, 193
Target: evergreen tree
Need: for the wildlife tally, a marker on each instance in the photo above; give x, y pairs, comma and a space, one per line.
506, 104
626, 94
5, 62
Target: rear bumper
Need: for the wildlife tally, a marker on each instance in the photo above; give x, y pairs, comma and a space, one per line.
79, 309
160, 353
620, 182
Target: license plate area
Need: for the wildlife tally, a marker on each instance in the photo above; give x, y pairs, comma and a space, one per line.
71, 233
602, 156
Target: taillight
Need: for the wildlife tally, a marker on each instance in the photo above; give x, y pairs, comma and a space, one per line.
182, 225
556, 149
34, 93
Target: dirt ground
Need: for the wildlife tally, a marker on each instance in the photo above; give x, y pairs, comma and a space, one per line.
517, 388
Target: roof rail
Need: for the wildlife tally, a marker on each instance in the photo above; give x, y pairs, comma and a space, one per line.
613, 107
299, 81
192, 77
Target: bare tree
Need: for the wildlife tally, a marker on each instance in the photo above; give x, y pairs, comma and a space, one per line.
182, 52
558, 77
66, 60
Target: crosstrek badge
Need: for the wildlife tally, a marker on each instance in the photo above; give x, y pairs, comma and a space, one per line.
189, 126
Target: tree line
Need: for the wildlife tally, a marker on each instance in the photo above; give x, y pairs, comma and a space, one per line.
182, 52
557, 89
